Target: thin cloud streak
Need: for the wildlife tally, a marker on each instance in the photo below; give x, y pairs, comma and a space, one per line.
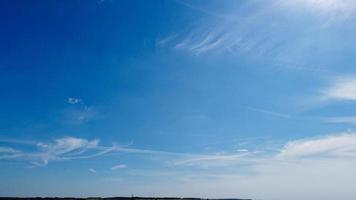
120, 166
269, 112
92, 170
209, 159
69, 148
338, 146
340, 89
341, 120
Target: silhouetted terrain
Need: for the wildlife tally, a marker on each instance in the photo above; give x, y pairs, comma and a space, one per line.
108, 198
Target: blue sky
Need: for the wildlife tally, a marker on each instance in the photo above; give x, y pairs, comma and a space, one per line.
186, 98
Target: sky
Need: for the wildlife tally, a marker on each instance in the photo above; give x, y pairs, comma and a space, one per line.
204, 98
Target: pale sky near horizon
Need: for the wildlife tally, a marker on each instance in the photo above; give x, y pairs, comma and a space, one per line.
188, 98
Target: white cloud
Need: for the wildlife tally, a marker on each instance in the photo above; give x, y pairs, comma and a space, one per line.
335, 146
342, 88
278, 32
69, 148
120, 166
72, 100
92, 170
338, 146
7, 150
66, 148
269, 180
316, 180
327, 174
212, 160
344, 120
67, 144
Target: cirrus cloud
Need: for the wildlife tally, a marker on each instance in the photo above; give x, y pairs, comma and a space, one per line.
335, 145
120, 166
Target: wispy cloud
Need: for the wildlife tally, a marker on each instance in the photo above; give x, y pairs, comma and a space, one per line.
165, 40
269, 112
62, 149
305, 179
340, 89
80, 115
269, 178
331, 8
68, 148
80, 112
334, 145
342, 120
71, 148
92, 170
120, 166
5, 150
208, 160
226, 32
329, 160
73, 100
338, 146
270, 31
